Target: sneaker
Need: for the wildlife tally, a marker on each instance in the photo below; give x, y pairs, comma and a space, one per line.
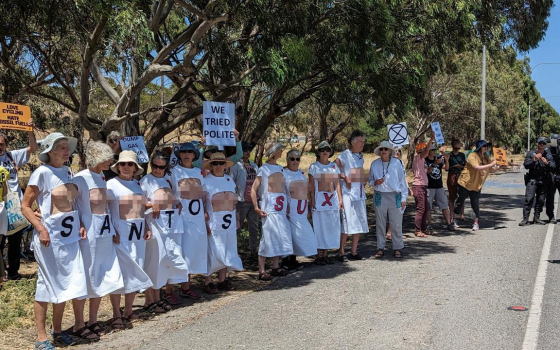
455, 224
524, 222
475, 227
355, 257
342, 258
451, 227
538, 221
552, 220
43, 345
189, 293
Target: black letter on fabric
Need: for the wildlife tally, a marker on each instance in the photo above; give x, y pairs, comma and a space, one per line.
106, 226
169, 213
66, 225
227, 218
193, 213
134, 229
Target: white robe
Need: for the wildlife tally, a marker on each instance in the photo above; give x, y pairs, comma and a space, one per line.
354, 215
326, 216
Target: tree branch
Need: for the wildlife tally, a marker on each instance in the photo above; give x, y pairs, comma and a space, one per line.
103, 83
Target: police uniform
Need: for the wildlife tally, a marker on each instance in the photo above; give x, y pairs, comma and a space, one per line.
554, 184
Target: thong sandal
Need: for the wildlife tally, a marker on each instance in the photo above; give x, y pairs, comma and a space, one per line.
264, 277
380, 253
97, 329
154, 308
86, 335
114, 325
279, 272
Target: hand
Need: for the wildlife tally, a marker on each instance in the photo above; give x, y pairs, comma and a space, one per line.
446, 155
180, 207
155, 211
116, 238
348, 182
30, 123
403, 205
83, 232
410, 191
206, 217
537, 157
457, 166
340, 205
202, 140
37, 214
260, 213
147, 235
44, 237
379, 182
433, 135
236, 133
493, 163
544, 160
208, 232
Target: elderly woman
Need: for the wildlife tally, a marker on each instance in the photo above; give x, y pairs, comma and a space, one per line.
60, 274
326, 202
420, 187
353, 180
387, 177
303, 237
103, 272
269, 187
222, 223
164, 256
187, 182
127, 204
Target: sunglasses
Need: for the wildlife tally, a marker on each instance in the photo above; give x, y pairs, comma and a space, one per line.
191, 151
295, 159
457, 148
112, 141
219, 163
383, 149
127, 163
212, 151
542, 143
161, 167
324, 150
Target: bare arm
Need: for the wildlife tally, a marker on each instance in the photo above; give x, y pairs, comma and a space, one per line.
32, 140
427, 148
312, 190
31, 194
254, 196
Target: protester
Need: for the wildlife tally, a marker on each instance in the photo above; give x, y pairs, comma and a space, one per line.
164, 256
188, 185
269, 187
244, 174
437, 163
472, 179
540, 164
222, 224
326, 202
113, 140
60, 267
554, 183
210, 149
127, 205
303, 237
398, 156
457, 162
420, 187
103, 271
13, 161
352, 184
391, 190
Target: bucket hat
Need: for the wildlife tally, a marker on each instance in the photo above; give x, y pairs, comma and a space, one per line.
49, 141
217, 157
325, 144
128, 156
187, 146
384, 144
272, 150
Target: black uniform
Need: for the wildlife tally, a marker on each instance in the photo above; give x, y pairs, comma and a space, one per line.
554, 184
537, 181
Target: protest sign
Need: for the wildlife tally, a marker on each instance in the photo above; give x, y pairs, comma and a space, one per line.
218, 123
136, 144
436, 128
16, 220
173, 160
15, 117
398, 134
500, 156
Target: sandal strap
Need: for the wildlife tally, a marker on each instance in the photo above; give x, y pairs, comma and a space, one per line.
86, 333
44, 345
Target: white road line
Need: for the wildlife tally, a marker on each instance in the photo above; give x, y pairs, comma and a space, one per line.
532, 331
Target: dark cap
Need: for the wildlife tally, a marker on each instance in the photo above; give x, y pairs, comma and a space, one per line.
246, 146
542, 139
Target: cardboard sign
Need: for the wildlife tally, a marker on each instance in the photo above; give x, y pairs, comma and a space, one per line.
218, 123
136, 144
15, 117
500, 156
436, 128
16, 220
398, 134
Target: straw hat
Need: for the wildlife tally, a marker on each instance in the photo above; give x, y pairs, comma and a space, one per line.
49, 141
272, 150
217, 157
128, 156
385, 144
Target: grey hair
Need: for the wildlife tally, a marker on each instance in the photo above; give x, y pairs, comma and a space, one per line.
354, 135
293, 152
97, 153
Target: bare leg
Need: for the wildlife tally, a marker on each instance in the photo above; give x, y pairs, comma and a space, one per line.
446, 216
40, 309
222, 275
207, 280
262, 264
116, 303
93, 310
184, 286
355, 240
58, 313
275, 263
78, 306
128, 301
343, 237
149, 296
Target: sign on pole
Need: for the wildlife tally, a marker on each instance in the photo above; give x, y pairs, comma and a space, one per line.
173, 160
136, 144
218, 123
436, 128
14, 116
500, 156
398, 134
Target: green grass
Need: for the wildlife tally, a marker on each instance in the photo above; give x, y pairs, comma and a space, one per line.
16, 304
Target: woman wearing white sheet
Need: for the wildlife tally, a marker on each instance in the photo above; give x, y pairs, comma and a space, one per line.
326, 202
164, 257
220, 207
103, 272
128, 204
60, 267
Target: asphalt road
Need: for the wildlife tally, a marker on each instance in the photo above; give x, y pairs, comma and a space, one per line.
451, 291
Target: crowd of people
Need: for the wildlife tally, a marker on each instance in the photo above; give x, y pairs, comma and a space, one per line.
108, 230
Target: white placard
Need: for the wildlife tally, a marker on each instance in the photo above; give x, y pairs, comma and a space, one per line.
398, 134
436, 128
136, 144
173, 160
218, 123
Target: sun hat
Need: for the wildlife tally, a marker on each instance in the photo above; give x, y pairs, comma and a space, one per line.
208, 149
325, 144
217, 157
272, 150
542, 139
49, 141
480, 144
421, 146
128, 156
384, 144
187, 146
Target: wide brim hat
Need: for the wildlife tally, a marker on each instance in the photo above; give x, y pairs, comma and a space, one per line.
128, 156
480, 144
49, 141
272, 150
384, 144
187, 146
217, 157
325, 144
208, 149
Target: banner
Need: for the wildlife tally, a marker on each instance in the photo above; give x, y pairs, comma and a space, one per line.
15, 117
500, 156
398, 134
136, 144
218, 123
436, 128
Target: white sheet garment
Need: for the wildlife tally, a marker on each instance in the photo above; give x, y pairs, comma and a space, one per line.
222, 243
195, 238
303, 237
276, 239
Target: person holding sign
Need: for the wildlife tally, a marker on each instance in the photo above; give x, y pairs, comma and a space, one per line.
457, 162
353, 180
221, 223
326, 202
540, 164
276, 240
128, 205
60, 267
103, 271
436, 165
164, 255
388, 179
13, 161
187, 182
207, 152
420, 187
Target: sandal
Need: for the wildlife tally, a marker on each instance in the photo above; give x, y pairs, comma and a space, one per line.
86, 335
226, 285
43, 345
265, 276
279, 272
189, 293
154, 308
165, 305
380, 253
420, 234
210, 288
127, 322
114, 325
63, 339
397, 254
328, 260
320, 261
171, 298
97, 329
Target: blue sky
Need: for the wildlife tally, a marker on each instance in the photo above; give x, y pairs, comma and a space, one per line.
548, 76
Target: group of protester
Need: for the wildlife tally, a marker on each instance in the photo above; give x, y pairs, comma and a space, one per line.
108, 231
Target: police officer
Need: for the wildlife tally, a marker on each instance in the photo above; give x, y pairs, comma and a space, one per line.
540, 165
554, 184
